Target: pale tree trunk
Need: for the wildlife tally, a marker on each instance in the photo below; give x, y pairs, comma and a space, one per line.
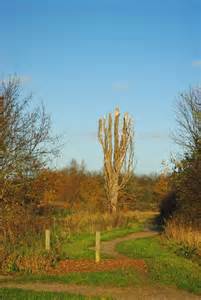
116, 139
113, 197
113, 203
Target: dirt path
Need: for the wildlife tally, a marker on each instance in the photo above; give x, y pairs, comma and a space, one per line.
128, 293
138, 293
108, 247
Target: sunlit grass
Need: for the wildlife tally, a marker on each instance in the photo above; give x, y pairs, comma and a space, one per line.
79, 246
118, 278
164, 265
19, 294
184, 234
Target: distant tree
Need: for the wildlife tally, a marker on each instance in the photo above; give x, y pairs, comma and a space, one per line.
162, 183
188, 119
26, 144
186, 177
117, 144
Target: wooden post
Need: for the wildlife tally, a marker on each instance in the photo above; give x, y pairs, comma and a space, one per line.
97, 246
47, 239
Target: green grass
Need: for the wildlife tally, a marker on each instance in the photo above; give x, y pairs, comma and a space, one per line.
78, 246
121, 232
119, 278
19, 294
164, 265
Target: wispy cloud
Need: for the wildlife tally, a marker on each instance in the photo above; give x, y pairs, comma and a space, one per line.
153, 135
120, 86
146, 135
90, 135
23, 79
196, 63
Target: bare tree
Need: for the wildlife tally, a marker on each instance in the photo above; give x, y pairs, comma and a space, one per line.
186, 178
117, 144
188, 119
25, 141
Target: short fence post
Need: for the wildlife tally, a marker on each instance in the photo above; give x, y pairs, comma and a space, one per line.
47, 239
97, 246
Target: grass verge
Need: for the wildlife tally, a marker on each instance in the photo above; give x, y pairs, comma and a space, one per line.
78, 246
19, 294
164, 265
118, 278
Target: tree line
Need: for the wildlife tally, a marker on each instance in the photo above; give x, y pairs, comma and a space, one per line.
27, 146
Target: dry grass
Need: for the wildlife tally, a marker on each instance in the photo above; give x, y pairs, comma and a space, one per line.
85, 222
183, 233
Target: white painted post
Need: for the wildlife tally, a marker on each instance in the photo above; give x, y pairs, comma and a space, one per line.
47, 239
97, 246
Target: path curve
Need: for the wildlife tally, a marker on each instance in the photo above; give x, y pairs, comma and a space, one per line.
155, 292
109, 247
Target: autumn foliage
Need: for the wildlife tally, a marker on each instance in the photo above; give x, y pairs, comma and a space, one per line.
75, 188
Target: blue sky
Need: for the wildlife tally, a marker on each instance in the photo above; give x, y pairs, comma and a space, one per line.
83, 58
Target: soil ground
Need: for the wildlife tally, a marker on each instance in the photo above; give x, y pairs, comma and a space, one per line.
140, 293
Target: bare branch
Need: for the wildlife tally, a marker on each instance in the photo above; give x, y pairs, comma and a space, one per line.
188, 119
25, 141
